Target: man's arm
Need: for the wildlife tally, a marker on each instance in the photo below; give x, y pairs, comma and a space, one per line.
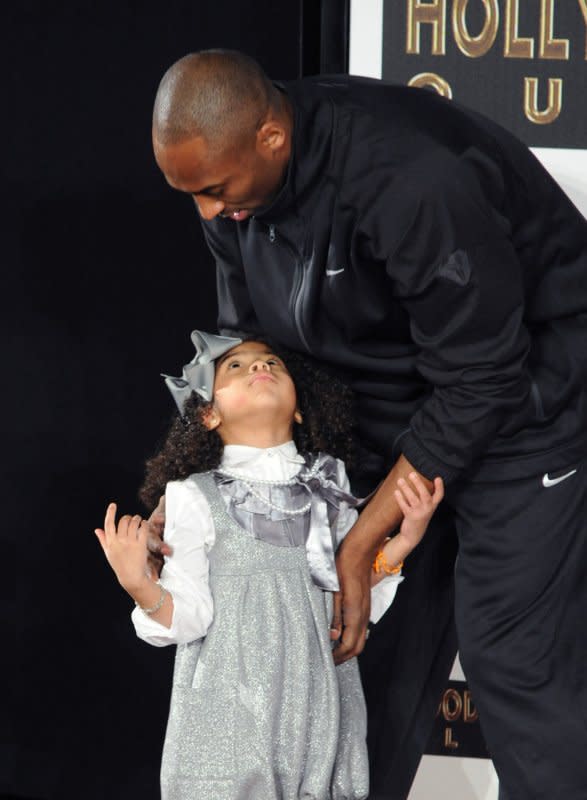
355, 558
457, 274
459, 277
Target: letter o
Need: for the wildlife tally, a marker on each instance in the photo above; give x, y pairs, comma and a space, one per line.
475, 46
431, 79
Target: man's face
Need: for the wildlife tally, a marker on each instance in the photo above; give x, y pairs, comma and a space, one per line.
232, 184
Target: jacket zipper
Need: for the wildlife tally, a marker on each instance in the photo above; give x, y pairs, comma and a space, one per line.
296, 304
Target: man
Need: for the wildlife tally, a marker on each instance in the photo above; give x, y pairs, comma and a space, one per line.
423, 253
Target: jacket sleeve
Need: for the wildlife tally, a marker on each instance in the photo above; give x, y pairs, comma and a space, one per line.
455, 271
235, 310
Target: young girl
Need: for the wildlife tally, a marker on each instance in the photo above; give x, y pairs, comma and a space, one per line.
255, 510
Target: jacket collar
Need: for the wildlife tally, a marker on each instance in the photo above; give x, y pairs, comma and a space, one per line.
312, 138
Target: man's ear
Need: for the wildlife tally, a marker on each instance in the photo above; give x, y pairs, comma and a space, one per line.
271, 138
210, 417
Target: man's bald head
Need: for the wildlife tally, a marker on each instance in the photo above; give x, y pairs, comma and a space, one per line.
220, 95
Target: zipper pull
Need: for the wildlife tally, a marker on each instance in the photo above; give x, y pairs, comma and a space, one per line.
272, 234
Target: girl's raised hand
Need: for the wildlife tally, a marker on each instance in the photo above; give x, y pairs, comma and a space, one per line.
125, 547
417, 504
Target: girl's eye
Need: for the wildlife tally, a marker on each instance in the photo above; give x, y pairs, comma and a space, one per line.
273, 361
234, 364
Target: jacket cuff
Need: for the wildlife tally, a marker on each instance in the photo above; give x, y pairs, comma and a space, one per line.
427, 464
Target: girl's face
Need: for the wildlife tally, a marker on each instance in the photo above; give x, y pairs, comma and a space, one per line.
254, 397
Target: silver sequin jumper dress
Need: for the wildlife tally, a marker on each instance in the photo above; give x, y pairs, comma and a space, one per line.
258, 709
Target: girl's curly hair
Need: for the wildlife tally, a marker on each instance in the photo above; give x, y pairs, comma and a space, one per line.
327, 408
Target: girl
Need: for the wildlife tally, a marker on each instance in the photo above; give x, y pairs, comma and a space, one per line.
254, 512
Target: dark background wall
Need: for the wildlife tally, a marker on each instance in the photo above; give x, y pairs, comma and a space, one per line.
104, 274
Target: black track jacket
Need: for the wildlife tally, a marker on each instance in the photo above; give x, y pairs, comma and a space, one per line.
426, 254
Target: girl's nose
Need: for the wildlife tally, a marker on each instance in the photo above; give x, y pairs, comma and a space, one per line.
259, 364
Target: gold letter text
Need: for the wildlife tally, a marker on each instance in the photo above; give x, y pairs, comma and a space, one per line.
475, 46
583, 7
435, 81
433, 13
514, 47
549, 47
555, 101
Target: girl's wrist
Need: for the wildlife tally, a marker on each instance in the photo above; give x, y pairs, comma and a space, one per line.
412, 532
139, 587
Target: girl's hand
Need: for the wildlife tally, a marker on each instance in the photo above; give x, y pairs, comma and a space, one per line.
125, 547
417, 504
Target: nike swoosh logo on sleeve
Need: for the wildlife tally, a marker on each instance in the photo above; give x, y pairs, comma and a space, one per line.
331, 272
547, 482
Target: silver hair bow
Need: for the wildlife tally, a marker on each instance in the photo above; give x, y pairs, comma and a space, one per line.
198, 375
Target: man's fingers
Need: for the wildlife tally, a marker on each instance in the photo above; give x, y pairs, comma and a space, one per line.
355, 619
352, 642
157, 518
157, 523
336, 623
156, 546
355, 581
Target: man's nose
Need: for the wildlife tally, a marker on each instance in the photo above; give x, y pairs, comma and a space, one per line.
208, 207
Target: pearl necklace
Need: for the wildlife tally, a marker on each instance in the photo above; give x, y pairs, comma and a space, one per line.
248, 481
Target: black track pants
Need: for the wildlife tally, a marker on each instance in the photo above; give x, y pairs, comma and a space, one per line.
407, 661
521, 614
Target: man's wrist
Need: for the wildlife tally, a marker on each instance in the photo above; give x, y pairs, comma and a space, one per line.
356, 552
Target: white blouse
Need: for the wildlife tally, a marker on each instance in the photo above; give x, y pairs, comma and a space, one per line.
189, 531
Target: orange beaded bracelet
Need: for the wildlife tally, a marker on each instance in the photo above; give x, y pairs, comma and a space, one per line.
381, 565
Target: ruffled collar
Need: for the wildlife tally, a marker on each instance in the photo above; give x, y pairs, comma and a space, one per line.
301, 509
264, 463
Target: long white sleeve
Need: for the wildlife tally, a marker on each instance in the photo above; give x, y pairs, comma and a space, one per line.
189, 531
383, 593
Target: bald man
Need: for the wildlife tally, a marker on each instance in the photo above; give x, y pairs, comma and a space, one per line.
422, 252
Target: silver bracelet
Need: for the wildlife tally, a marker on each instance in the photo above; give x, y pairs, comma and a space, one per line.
158, 604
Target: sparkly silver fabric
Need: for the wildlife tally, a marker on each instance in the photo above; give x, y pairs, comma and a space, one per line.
258, 507
258, 709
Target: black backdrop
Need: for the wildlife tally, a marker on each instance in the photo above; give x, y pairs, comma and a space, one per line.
104, 275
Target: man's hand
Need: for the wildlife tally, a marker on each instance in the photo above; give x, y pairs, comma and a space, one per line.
355, 558
352, 603
155, 544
